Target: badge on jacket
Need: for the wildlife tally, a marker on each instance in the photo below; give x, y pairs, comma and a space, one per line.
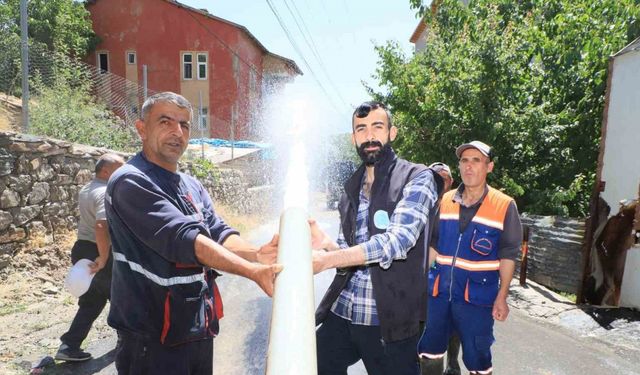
381, 219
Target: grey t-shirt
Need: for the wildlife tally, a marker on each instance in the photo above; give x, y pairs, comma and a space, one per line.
91, 206
511, 238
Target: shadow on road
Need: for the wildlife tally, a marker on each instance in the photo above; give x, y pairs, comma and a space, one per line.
604, 316
547, 295
92, 366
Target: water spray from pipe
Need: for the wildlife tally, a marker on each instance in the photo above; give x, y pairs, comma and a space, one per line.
292, 340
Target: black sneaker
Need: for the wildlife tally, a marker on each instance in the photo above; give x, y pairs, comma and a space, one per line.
65, 353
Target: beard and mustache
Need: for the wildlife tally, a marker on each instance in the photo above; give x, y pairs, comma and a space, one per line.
372, 157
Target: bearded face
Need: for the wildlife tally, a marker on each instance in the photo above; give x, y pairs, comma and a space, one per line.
372, 151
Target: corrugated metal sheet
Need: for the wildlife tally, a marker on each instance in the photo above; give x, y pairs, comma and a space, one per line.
555, 251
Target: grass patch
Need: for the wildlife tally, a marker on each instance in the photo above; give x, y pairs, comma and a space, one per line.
40, 326
69, 300
12, 309
570, 296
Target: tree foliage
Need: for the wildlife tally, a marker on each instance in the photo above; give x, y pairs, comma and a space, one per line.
63, 103
61, 25
527, 77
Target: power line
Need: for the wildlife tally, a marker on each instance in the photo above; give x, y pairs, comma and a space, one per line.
312, 46
299, 52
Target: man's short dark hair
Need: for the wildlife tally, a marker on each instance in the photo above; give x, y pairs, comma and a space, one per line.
108, 159
165, 97
365, 108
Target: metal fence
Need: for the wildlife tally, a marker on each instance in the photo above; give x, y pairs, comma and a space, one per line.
46, 68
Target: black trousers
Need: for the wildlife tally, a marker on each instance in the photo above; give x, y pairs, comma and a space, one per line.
139, 356
341, 344
90, 304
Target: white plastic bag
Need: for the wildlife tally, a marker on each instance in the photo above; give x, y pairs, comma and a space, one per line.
79, 278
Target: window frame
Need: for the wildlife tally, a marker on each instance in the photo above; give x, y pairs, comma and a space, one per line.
203, 118
99, 55
128, 55
203, 64
184, 66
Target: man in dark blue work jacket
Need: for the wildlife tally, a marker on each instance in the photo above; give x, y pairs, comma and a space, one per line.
167, 240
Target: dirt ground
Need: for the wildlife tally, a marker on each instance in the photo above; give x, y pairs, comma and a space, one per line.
10, 109
34, 308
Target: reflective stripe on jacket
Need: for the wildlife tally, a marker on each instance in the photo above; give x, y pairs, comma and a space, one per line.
467, 266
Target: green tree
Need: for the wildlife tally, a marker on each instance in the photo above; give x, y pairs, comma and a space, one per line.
61, 25
528, 77
63, 102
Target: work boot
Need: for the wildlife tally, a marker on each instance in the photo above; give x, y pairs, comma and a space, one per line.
66, 353
453, 367
431, 366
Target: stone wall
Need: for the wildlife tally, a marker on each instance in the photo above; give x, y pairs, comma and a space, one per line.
39, 183
40, 179
235, 190
555, 258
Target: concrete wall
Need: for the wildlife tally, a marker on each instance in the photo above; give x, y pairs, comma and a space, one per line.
620, 168
554, 251
421, 43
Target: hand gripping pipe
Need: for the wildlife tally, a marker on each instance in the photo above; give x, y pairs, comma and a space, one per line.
292, 336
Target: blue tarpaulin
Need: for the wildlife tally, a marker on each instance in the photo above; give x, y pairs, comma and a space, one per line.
266, 149
217, 142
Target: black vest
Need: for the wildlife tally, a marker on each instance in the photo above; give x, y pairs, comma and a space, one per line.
400, 290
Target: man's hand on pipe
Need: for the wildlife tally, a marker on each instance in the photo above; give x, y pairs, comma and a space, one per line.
319, 239
268, 253
265, 276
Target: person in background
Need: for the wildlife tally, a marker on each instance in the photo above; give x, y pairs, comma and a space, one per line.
93, 243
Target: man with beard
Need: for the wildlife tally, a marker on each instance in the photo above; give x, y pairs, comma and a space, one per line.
373, 308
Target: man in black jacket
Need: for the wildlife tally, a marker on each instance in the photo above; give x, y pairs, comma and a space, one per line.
168, 244
373, 308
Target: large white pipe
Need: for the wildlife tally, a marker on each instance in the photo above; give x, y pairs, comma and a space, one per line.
292, 337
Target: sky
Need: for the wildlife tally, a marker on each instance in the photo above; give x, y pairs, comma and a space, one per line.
342, 33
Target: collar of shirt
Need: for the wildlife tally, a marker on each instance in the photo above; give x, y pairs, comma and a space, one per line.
149, 166
457, 197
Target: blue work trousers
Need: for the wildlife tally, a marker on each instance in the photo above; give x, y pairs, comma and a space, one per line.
474, 325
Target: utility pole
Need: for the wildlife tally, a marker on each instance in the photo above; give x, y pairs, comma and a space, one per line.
144, 82
200, 124
25, 65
